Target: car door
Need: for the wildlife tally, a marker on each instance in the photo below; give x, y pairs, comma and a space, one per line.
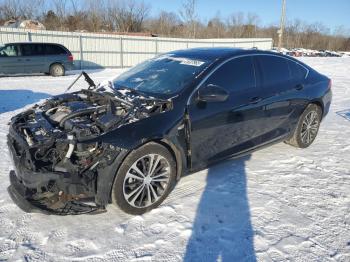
9, 56
221, 129
278, 96
33, 58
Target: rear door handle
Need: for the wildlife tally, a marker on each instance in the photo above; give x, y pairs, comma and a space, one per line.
299, 87
255, 100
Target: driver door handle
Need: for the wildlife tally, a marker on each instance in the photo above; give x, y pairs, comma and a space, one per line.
255, 100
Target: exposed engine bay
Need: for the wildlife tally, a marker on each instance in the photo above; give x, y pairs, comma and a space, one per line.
53, 138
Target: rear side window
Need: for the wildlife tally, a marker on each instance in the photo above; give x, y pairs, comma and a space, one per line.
274, 70
55, 50
32, 49
298, 72
235, 75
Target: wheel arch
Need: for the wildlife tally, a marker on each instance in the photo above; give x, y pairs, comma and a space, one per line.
319, 104
170, 146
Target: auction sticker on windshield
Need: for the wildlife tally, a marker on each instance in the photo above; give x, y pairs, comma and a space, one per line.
183, 60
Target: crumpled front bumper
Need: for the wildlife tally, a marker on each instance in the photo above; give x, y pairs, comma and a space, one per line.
18, 194
25, 181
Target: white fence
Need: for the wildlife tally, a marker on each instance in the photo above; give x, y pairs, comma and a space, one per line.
115, 51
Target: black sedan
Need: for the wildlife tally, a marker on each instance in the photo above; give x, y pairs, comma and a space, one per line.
128, 141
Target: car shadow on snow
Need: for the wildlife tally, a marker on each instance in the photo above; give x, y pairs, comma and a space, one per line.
344, 113
15, 99
222, 229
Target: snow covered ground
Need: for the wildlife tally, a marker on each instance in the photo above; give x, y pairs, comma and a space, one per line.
278, 204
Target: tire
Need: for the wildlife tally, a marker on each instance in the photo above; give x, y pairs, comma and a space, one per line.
306, 132
57, 70
135, 193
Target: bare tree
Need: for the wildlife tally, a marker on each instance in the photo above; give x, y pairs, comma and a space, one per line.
216, 28
127, 16
235, 25
165, 24
10, 9
189, 17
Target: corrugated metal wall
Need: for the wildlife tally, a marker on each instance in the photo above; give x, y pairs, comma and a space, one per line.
114, 51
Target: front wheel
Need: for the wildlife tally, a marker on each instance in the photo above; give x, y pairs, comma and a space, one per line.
307, 128
144, 179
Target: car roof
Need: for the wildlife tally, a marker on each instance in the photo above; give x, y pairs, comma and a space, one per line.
30, 43
214, 53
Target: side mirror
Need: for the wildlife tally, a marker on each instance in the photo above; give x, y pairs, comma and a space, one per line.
212, 93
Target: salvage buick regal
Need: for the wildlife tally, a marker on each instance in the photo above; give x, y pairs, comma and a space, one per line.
129, 140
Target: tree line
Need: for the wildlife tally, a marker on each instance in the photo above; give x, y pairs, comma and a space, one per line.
135, 16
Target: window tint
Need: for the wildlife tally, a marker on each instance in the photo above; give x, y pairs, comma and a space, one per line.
9, 50
235, 75
32, 49
274, 70
54, 50
298, 72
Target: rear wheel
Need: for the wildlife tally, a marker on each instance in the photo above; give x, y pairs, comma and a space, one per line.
144, 179
307, 128
57, 70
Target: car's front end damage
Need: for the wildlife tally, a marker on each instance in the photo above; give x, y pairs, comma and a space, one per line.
59, 159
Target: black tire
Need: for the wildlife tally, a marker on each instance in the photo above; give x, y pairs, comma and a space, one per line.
120, 182
298, 137
57, 70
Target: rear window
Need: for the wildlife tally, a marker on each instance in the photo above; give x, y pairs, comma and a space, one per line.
274, 70
298, 72
32, 49
54, 50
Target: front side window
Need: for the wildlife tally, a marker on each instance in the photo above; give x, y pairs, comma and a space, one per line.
235, 75
166, 74
9, 50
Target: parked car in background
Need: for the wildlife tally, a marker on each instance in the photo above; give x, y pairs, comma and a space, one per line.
128, 142
26, 58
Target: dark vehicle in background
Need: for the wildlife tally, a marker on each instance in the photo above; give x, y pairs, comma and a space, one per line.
26, 58
129, 141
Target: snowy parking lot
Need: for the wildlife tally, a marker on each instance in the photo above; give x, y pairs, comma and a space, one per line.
277, 204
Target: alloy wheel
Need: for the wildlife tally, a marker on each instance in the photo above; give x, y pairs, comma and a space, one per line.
309, 127
146, 180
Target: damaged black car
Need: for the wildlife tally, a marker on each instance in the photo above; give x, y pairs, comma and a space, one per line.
129, 140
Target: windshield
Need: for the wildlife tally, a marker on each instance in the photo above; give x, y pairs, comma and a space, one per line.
165, 74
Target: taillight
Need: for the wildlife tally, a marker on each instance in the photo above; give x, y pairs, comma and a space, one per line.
70, 58
330, 84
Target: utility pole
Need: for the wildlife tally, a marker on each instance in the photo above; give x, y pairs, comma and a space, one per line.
280, 31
